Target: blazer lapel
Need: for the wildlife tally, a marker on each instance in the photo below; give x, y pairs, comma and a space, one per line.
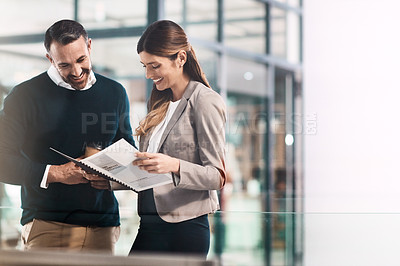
144, 142
178, 112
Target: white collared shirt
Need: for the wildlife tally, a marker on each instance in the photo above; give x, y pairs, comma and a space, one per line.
57, 79
155, 138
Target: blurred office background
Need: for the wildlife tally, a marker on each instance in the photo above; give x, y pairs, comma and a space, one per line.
311, 91
251, 53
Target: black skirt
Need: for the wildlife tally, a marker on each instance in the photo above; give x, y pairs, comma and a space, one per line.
158, 236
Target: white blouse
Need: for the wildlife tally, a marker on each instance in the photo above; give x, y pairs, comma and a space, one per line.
155, 138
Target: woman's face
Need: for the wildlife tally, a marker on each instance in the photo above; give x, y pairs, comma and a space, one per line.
164, 72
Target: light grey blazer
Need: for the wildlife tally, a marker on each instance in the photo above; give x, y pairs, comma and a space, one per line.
195, 135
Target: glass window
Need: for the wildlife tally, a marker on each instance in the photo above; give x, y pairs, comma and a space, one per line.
28, 17
278, 32
112, 13
208, 62
245, 163
245, 76
293, 3
198, 18
201, 19
117, 58
285, 35
293, 38
282, 191
22, 62
246, 156
245, 26
174, 10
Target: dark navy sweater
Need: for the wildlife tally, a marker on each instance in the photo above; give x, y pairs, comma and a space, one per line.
38, 114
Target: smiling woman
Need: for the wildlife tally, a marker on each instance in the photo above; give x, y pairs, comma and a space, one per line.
182, 109
166, 73
165, 48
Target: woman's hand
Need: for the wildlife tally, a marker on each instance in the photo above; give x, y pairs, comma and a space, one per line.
157, 163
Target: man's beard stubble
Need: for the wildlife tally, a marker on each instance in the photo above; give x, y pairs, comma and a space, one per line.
78, 85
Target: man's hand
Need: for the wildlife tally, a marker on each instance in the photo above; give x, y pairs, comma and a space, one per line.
98, 182
95, 180
68, 173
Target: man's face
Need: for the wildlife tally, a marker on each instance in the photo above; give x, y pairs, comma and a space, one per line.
72, 61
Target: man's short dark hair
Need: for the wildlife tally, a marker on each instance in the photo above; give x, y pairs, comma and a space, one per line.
64, 32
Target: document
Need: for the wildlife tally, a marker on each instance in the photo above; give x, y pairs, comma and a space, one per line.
115, 163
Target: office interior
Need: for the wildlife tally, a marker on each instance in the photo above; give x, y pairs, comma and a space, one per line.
251, 53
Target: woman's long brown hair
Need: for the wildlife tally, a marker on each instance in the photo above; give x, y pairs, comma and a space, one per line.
166, 38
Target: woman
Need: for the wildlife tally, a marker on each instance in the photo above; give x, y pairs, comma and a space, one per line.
183, 134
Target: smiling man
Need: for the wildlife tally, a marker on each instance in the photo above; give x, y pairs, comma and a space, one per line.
69, 56
68, 107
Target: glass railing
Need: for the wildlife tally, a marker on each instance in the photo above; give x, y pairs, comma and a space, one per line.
276, 239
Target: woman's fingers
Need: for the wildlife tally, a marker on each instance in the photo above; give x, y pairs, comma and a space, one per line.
144, 158
156, 162
146, 155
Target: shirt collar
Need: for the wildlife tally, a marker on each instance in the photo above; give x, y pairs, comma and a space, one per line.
57, 79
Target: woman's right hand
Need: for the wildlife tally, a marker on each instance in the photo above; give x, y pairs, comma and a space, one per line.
157, 163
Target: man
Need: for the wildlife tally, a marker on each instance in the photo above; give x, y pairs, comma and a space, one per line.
68, 108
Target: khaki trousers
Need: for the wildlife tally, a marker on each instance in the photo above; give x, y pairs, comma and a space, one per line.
45, 235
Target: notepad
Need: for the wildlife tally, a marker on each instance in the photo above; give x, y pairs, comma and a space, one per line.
115, 163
